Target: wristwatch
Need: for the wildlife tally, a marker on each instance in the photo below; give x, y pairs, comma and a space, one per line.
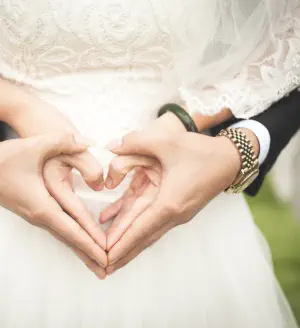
249, 161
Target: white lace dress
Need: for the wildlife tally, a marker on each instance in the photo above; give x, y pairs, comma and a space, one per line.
101, 63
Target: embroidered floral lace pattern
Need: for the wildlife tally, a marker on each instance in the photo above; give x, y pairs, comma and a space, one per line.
56, 38
44, 40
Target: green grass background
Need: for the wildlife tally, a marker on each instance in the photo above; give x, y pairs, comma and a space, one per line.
282, 231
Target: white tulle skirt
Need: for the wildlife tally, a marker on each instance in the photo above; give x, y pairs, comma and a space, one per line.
214, 272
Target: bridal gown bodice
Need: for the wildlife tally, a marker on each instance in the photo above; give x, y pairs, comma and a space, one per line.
102, 63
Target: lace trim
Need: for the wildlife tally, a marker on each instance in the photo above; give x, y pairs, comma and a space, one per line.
259, 84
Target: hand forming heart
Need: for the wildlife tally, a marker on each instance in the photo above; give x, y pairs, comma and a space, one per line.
178, 174
57, 179
26, 165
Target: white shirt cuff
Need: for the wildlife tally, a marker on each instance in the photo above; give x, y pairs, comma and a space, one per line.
262, 134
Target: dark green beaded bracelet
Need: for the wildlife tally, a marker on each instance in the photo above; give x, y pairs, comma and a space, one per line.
184, 117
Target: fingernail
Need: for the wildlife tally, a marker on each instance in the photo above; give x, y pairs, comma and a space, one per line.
101, 276
101, 186
114, 144
109, 182
109, 271
84, 142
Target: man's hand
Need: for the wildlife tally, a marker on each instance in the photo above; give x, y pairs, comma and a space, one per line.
192, 169
141, 193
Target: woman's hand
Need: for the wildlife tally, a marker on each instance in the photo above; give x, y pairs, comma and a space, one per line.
30, 116
58, 181
192, 170
22, 190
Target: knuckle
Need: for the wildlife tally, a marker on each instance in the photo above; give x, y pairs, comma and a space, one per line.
116, 165
35, 143
39, 215
132, 139
56, 140
130, 136
150, 242
183, 220
67, 137
170, 207
62, 140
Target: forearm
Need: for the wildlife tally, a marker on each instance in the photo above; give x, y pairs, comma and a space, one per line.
27, 114
207, 122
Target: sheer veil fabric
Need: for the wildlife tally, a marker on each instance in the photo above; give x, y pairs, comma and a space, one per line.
242, 55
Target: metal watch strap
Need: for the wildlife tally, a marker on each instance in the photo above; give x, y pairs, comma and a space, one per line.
249, 161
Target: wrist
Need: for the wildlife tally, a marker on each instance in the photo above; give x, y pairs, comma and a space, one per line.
37, 117
230, 157
12, 102
28, 115
171, 122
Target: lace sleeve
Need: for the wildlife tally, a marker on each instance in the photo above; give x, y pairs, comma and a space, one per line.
258, 84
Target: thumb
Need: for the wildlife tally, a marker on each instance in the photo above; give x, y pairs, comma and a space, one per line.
138, 143
50, 145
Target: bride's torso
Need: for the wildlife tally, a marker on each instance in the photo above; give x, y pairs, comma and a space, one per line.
101, 62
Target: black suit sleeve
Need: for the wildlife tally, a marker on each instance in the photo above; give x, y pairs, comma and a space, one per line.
282, 120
